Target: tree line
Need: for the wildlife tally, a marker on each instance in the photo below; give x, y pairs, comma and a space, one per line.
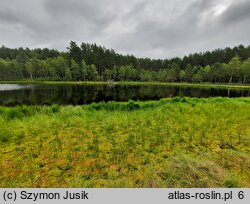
89, 62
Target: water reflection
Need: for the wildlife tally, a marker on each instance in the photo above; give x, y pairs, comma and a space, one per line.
8, 87
85, 94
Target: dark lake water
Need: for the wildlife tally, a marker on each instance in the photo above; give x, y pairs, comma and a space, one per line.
13, 94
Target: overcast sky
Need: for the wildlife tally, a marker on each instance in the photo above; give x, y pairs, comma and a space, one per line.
145, 28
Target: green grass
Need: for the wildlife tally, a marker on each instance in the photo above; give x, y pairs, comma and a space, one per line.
175, 142
209, 85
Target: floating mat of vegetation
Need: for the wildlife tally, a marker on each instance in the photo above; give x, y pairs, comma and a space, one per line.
175, 142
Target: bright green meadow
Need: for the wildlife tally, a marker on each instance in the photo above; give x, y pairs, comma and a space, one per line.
175, 142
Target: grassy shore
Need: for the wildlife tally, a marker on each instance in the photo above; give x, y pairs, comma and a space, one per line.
208, 85
176, 142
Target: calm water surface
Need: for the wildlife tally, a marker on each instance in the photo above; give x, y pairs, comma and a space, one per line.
14, 94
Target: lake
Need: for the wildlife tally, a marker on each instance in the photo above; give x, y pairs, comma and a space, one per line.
15, 94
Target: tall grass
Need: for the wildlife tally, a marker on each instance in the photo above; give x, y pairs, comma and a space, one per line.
178, 142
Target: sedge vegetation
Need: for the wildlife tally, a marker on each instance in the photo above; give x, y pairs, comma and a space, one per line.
175, 142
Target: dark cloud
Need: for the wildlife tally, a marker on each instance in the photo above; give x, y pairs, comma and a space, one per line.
239, 11
157, 29
95, 12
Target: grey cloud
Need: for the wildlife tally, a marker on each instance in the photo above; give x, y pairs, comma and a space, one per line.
7, 15
238, 11
97, 12
157, 29
194, 29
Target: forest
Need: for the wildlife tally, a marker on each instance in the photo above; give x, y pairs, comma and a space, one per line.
90, 62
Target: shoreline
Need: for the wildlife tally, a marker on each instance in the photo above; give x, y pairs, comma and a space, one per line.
205, 85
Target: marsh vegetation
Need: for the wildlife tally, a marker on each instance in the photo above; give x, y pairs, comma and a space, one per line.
175, 142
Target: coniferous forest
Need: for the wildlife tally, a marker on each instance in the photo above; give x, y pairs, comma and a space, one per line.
90, 62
